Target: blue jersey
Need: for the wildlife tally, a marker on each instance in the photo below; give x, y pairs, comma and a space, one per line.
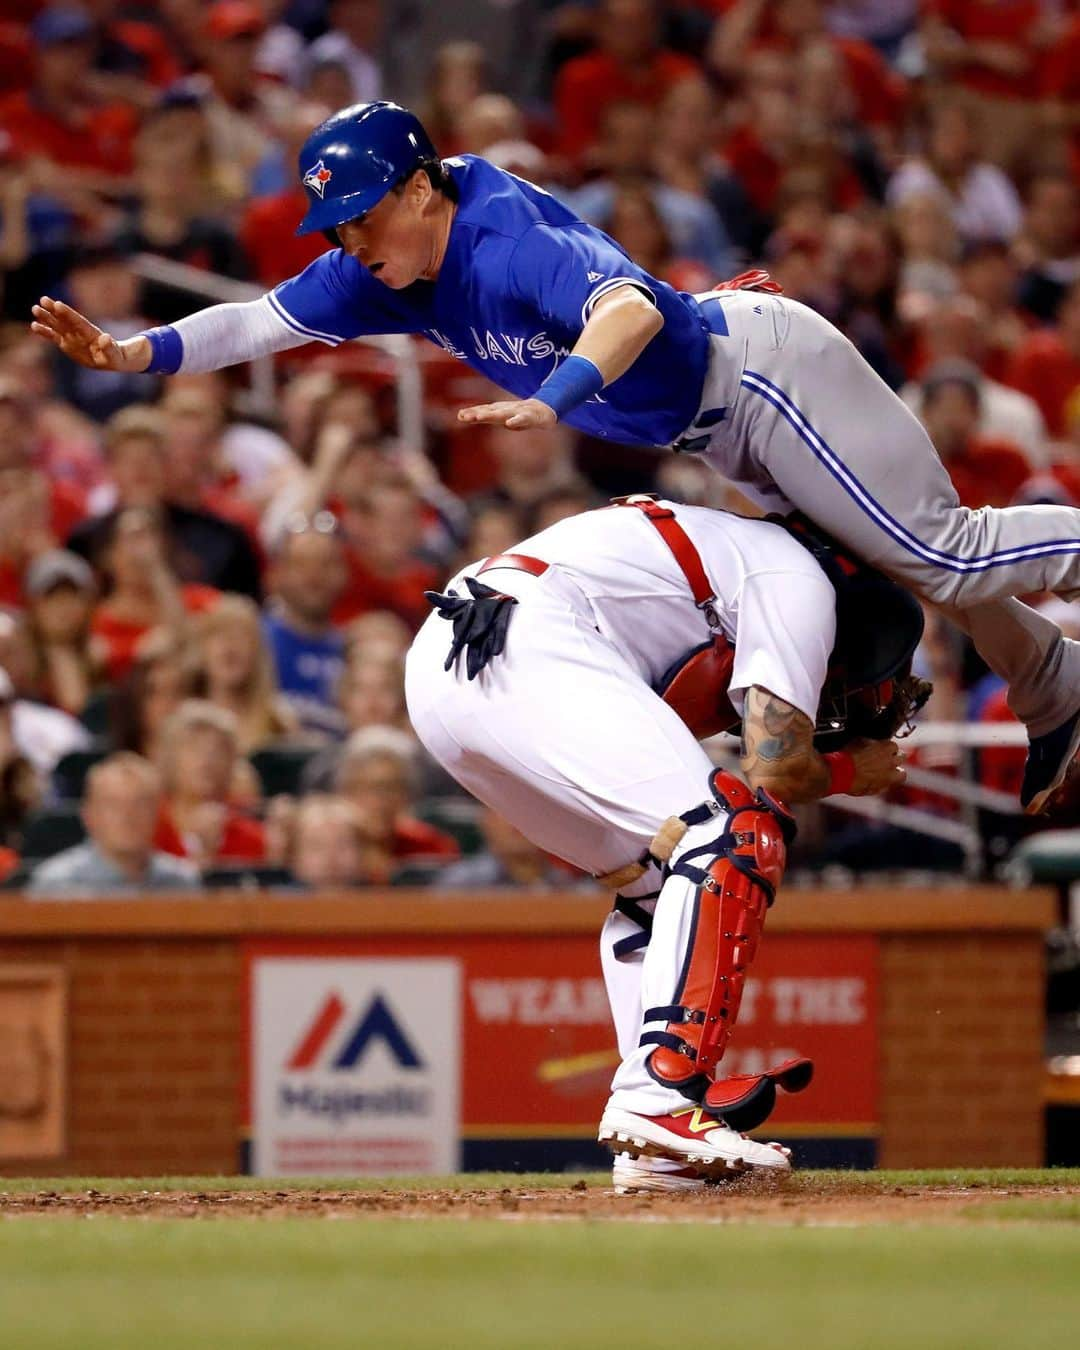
519, 280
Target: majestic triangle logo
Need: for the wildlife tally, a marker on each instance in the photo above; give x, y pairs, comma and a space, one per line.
317, 178
377, 1022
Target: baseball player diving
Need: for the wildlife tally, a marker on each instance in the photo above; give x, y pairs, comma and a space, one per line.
565, 685
502, 275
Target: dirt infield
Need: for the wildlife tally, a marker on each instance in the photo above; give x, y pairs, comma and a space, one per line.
787, 1201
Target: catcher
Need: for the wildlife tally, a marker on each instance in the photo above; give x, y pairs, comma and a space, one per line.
566, 684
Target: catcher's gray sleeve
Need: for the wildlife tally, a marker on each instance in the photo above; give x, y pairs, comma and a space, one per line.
225, 335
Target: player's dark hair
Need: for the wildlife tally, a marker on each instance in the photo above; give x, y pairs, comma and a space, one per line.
437, 176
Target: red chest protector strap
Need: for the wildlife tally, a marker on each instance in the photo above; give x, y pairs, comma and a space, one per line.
682, 550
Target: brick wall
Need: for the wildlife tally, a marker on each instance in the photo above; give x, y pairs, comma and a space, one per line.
155, 1013
154, 1054
961, 1050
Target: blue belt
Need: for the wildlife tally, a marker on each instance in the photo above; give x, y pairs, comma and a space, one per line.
698, 434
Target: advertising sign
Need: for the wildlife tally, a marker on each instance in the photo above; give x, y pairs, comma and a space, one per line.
807, 996
395, 1060
354, 1065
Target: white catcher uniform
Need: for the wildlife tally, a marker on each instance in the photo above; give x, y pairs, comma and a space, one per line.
563, 735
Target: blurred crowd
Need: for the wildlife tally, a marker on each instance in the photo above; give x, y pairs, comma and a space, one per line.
208, 583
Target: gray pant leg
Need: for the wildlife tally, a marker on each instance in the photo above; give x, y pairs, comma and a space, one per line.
837, 442
840, 445
1027, 651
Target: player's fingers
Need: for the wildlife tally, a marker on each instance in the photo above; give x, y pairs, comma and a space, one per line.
486, 413
44, 331
76, 323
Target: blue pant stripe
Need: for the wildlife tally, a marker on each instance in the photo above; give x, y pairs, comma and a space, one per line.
758, 384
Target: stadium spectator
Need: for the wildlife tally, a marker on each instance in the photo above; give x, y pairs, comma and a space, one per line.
624, 152
199, 760
994, 53
245, 113
507, 859
494, 528
60, 592
37, 509
307, 579
380, 635
56, 438
1048, 247
458, 75
60, 117
687, 130
1061, 88
384, 534
204, 549
568, 500
102, 285
162, 677
196, 479
987, 272
327, 844
169, 217
959, 329
530, 464
773, 151
268, 227
1046, 365
237, 674
788, 27
42, 733
131, 54
371, 694
143, 593
120, 812
928, 247
378, 773
863, 260
984, 472
629, 64
354, 30
253, 462
21, 784
636, 222
982, 199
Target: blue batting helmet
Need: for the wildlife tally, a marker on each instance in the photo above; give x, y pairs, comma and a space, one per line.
353, 159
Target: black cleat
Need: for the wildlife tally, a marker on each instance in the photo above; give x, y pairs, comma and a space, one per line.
1048, 762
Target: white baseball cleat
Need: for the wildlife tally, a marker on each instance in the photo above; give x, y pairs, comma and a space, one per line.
632, 1176
691, 1137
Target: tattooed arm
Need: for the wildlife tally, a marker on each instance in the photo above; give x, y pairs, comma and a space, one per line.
777, 753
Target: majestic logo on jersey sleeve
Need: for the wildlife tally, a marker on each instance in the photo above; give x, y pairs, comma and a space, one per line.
317, 178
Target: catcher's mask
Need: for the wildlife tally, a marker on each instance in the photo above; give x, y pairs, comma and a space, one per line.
870, 691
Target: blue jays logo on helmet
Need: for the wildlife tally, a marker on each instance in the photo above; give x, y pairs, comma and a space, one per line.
350, 162
317, 178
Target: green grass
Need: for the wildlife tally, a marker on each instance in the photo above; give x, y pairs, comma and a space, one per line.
863, 1182
105, 1284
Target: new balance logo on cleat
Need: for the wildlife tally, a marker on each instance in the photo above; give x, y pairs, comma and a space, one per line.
689, 1137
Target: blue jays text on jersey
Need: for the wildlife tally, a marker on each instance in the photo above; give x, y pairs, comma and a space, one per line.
517, 285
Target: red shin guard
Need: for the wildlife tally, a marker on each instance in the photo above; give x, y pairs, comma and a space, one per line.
733, 890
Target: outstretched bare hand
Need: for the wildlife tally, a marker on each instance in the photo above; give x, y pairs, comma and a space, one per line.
517, 414
84, 342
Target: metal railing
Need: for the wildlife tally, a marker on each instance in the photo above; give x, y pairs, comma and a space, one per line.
963, 788
218, 289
